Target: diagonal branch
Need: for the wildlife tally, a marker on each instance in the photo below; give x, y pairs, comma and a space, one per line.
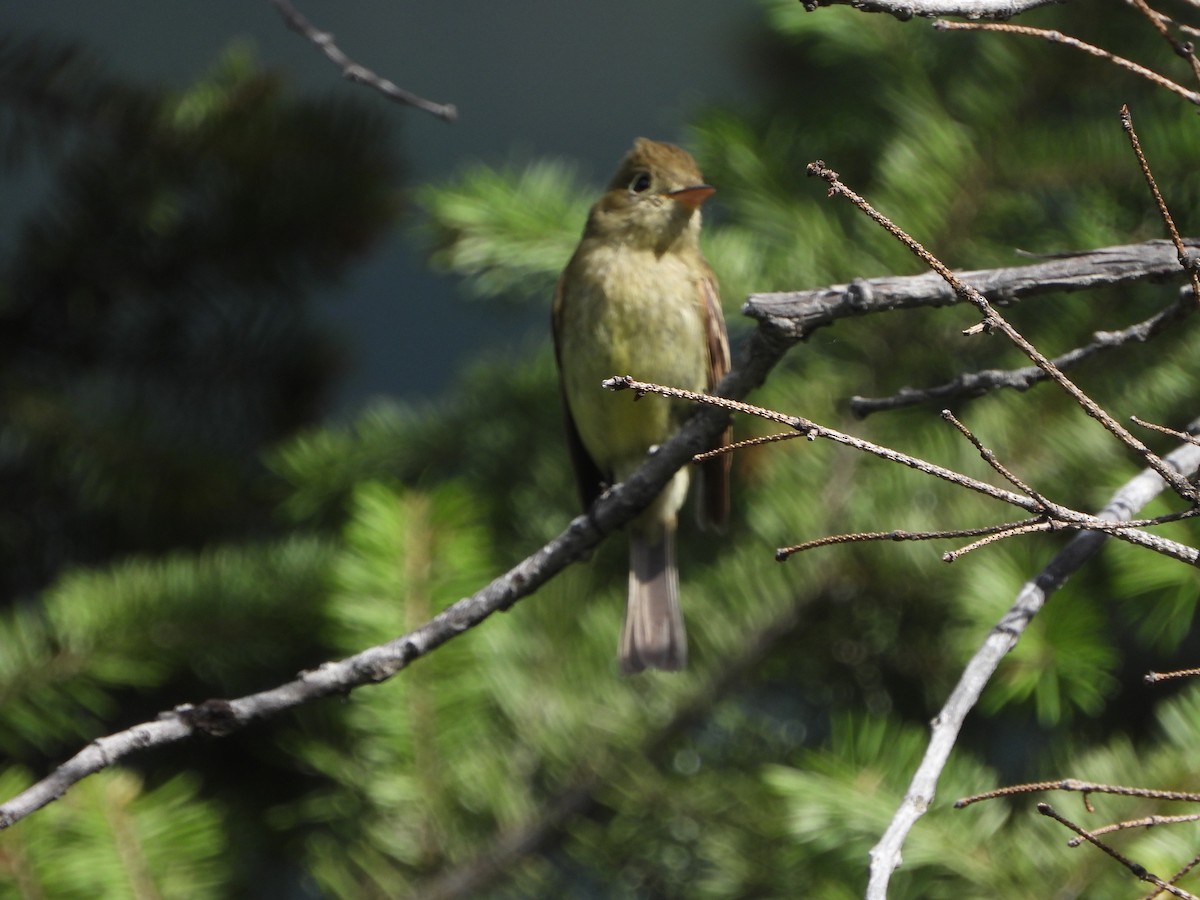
1188, 263
352, 71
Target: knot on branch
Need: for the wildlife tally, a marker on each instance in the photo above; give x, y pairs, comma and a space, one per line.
859, 295
216, 718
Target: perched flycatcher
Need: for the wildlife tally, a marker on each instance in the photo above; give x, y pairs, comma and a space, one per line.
638, 298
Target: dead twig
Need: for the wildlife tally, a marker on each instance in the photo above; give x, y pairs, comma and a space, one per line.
352, 71
1136, 869
1154, 677
1188, 262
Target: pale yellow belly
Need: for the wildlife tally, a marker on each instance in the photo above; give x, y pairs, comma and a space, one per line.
641, 316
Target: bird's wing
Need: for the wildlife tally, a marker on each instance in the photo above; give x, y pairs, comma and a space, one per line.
715, 472
588, 477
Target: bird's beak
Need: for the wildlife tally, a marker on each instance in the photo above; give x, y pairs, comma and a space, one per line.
693, 196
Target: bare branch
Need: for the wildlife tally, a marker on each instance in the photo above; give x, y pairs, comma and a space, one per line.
811, 429
1014, 530
1162, 429
1136, 493
1077, 786
1144, 822
352, 71
1057, 37
898, 535
797, 314
968, 9
1137, 870
989, 456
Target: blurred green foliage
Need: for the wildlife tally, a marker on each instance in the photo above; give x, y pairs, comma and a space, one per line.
155, 334
514, 762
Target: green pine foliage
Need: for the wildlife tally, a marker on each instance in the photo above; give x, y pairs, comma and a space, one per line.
155, 330
110, 837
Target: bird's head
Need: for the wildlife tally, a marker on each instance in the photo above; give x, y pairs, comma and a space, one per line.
654, 199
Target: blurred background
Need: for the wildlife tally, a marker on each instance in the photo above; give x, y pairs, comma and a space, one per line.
527, 83
276, 385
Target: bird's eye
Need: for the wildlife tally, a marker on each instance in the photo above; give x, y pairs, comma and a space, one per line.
640, 183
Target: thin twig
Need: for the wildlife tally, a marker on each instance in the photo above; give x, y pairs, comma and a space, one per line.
1162, 429
992, 460
1154, 677
749, 442
352, 71
1179, 873
1138, 870
1075, 785
1144, 822
813, 430
1187, 262
1015, 530
784, 553
1057, 37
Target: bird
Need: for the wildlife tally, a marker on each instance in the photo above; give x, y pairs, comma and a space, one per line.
638, 297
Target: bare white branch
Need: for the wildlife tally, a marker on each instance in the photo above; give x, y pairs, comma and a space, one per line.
800, 313
967, 9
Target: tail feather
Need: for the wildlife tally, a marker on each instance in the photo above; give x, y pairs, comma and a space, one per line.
653, 636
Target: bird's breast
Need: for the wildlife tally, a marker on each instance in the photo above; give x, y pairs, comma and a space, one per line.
627, 311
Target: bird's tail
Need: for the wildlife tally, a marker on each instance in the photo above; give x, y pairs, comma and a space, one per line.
653, 636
